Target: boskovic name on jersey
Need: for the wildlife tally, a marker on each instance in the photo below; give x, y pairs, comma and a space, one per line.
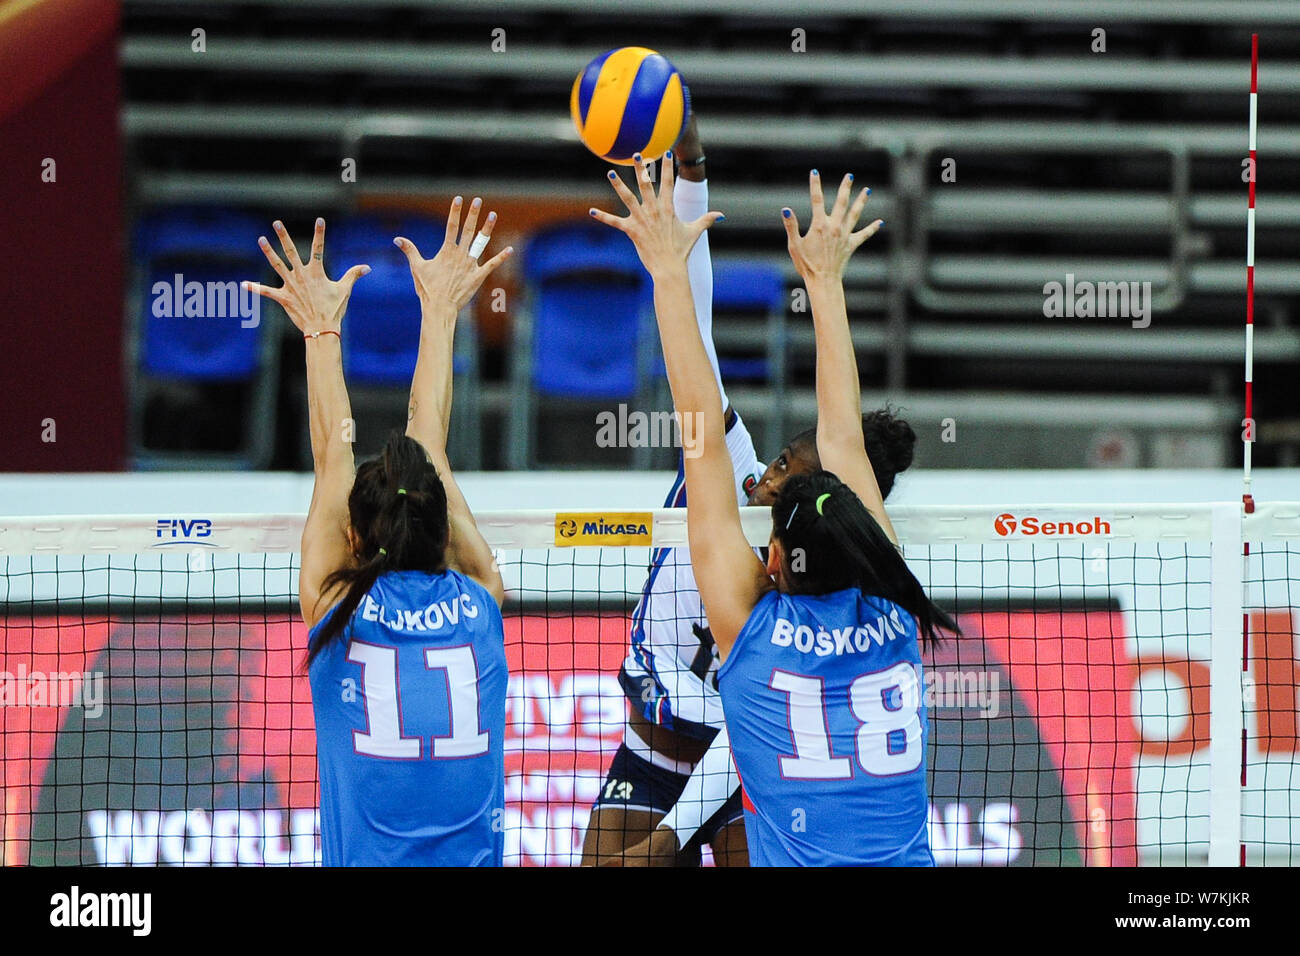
838, 640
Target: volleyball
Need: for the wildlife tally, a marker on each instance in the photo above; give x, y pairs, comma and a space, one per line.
628, 101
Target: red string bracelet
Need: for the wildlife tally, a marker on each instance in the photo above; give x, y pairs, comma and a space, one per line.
316, 335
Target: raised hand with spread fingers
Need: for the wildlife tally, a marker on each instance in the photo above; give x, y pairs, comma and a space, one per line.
831, 238
314, 302
454, 273
662, 240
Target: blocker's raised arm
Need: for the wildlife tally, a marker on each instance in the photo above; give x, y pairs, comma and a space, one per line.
445, 284
316, 304
729, 574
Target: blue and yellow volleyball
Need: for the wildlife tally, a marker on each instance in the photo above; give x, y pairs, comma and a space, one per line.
626, 101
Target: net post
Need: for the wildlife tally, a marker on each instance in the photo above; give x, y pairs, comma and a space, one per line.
1226, 720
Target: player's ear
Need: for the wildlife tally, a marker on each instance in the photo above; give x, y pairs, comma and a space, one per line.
775, 558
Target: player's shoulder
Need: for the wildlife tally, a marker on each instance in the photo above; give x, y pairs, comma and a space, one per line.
477, 592
834, 608
416, 581
883, 606
413, 589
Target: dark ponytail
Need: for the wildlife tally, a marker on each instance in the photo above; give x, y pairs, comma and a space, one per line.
832, 542
398, 514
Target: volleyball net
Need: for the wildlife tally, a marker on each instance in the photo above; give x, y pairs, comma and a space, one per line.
1124, 692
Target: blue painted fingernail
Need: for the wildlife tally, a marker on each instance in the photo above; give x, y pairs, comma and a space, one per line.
720, 218
592, 213
668, 155
815, 173
850, 177
613, 175
882, 223
637, 157
868, 190
786, 213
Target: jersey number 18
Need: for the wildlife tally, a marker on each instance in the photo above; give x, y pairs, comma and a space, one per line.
886, 705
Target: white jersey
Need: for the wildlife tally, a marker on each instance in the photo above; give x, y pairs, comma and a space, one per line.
670, 673
670, 670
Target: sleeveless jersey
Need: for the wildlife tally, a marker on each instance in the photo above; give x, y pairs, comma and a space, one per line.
410, 726
823, 702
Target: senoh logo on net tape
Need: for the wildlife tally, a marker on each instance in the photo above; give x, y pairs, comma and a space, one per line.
1034, 526
613, 529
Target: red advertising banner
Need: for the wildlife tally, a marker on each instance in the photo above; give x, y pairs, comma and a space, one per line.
190, 740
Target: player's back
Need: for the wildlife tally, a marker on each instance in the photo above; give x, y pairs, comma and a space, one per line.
410, 726
823, 702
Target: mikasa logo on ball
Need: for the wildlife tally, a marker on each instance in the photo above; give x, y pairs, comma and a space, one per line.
1035, 526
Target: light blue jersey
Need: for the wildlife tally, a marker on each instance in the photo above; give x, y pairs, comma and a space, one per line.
410, 726
822, 695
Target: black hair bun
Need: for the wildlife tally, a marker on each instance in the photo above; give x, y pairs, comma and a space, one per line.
890, 444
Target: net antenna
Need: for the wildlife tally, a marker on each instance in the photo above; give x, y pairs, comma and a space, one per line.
1248, 423
1248, 426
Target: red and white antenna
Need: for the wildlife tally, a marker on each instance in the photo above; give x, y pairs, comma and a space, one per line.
1248, 426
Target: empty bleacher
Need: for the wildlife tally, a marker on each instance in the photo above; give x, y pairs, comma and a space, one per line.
1116, 165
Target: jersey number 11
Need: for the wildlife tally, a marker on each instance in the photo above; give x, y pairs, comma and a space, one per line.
383, 699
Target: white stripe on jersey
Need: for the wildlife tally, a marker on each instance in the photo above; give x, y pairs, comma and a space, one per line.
664, 643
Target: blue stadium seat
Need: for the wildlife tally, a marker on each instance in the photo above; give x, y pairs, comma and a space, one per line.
381, 333
586, 332
748, 287
218, 249
202, 245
